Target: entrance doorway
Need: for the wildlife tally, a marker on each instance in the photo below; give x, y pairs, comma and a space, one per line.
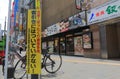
70, 46
62, 45
113, 40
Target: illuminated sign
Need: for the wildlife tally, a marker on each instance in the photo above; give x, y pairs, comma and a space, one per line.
104, 12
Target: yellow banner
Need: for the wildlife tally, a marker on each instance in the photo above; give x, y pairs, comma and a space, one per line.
37, 4
33, 43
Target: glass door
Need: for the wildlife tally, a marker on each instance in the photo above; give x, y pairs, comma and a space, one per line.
70, 46
62, 45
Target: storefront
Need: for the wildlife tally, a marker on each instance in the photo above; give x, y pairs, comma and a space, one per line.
67, 35
104, 21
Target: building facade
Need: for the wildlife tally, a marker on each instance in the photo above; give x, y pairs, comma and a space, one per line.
106, 20
97, 38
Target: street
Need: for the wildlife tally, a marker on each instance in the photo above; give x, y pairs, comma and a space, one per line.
84, 68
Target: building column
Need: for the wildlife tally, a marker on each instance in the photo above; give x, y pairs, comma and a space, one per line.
103, 42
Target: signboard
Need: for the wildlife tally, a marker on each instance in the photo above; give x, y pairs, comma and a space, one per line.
72, 22
104, 12
51, 30
77, 20
33, 42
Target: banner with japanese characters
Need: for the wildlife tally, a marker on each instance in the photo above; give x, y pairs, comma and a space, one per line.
34, 42
104, 12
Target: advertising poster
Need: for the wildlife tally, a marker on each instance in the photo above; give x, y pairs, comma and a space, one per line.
87, 40
78, 49
51, 46
33, 43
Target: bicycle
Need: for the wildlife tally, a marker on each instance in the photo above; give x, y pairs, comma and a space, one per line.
51, 62
11, 55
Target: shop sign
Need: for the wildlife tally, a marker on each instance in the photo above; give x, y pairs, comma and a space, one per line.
77, 20
33, 42
104, 12
51, 30
72, 22
64, 25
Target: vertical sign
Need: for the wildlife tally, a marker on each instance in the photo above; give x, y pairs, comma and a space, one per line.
37, 4
33, 43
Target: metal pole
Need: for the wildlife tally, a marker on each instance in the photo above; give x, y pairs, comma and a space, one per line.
5, 26
7, 41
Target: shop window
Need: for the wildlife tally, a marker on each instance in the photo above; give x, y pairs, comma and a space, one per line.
62, 45
56, 46
70, 46
51, 46
78, 49
87, 40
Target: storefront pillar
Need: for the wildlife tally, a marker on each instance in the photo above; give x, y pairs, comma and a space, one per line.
103, 42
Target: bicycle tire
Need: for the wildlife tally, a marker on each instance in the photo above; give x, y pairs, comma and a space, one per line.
20, 69
53, 63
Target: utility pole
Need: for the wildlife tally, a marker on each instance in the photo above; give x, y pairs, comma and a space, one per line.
7, 41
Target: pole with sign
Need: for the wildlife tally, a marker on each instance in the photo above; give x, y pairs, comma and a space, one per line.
34, 41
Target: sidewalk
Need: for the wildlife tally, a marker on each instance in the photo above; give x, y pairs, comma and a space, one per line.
84, 68
1, 74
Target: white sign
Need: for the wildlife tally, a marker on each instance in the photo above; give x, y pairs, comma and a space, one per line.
104, 12
53, 29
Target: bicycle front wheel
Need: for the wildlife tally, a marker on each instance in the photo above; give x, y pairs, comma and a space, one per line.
20, 69
53, 63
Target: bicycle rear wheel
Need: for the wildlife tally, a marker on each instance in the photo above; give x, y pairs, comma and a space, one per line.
53, 63
20, 69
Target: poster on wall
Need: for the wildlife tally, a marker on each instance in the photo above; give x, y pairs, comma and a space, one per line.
87, 40
51, 46
78, 49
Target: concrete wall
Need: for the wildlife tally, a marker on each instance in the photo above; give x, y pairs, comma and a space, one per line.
54, 11
95, 52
